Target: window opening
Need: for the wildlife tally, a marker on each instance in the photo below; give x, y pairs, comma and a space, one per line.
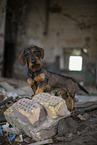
75, 63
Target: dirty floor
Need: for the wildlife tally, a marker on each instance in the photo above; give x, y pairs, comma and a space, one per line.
79, 129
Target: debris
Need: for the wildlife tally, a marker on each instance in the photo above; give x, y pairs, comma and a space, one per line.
37, 118
42, 142
67, 125
19, 138
55, 106
1, 97
2, 117
7, 128
63, 129
9, 91
9, 104
81, 117
1, 133
70, 134
3, 121
91, 108
58, 138
84, 105
6, 100
7, 86
12, 137
86, 116
85, 99
28, 140
81, 127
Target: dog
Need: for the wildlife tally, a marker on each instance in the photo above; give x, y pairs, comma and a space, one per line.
42, 80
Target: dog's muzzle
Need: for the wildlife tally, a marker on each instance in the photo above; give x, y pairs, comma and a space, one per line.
33, 61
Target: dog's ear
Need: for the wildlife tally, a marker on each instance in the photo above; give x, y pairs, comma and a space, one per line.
41, 52
22, 59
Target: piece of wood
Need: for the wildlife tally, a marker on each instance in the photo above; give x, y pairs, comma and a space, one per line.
81, 117
90, 108
84, 105
76, 112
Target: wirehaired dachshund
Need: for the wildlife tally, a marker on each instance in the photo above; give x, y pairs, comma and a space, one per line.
42, 80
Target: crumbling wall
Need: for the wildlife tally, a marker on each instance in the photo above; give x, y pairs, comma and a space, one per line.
71, 24
2, 31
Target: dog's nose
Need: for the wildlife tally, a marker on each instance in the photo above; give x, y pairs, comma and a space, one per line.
33, 61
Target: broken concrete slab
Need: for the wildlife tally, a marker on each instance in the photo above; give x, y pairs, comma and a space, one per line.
39, 117
28, 112
13, 120
85, 128
13, 130
55, 106
48, 141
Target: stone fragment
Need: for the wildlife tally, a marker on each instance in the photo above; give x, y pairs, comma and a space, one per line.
55, 106
58, 138
45, 133
48, 141
13, 120
30, 113
39, 117
70, 134
86, 116
67, 125
27, 112
6, 128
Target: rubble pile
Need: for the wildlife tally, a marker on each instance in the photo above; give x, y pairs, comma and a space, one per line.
44, 119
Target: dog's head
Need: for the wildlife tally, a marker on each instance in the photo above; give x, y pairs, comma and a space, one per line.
32, 56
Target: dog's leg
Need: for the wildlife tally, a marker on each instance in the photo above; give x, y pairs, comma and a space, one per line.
69, 101
65, 95
39, 79
32, 83
39, 90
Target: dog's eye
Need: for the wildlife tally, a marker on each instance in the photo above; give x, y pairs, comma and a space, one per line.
26, 54
36, 53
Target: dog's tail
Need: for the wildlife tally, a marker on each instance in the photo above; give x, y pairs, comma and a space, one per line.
82, 88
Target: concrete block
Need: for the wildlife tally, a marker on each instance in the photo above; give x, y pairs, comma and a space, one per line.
28, 112
55, 106
39, 117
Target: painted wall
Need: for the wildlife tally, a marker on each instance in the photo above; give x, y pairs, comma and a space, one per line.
73, 26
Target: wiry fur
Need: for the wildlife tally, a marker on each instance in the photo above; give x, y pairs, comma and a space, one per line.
42, 80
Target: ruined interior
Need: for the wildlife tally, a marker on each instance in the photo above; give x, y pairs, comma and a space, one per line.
61, 28
66, 30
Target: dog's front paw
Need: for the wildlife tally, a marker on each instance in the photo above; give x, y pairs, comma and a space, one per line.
39, 90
